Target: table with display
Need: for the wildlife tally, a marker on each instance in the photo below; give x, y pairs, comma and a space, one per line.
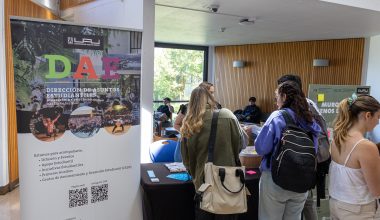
169, 133
172, 199
158, 138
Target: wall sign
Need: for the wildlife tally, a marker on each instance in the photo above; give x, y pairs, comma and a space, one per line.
328, 97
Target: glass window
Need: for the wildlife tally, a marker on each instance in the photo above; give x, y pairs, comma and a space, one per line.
178, 69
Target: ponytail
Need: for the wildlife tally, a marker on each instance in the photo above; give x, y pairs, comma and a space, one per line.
343, 122
348, 112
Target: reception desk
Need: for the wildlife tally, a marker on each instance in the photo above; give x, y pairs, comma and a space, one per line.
172, 199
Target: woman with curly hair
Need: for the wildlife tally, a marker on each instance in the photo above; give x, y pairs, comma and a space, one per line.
355, 166
195, 132
276, 202
211, 89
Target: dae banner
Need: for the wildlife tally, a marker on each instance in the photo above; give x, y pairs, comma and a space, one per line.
78, 120
328, 97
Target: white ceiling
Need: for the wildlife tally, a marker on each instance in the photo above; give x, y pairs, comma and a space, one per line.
189, 22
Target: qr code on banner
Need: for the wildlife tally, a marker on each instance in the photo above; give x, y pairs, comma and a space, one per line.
99, 193
78, 197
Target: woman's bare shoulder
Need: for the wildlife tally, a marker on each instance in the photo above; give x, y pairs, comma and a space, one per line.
368, 149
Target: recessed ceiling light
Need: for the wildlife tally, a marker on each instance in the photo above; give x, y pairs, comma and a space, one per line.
222, 29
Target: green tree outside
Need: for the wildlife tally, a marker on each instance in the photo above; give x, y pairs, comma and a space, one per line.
176, 73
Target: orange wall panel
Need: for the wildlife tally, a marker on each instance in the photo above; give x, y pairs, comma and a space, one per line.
23, 8
265, 63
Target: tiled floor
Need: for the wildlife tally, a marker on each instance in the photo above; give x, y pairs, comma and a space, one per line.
324, 210
10, 205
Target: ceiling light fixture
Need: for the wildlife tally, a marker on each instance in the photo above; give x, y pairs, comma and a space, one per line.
238, 63
320, 62
247, 21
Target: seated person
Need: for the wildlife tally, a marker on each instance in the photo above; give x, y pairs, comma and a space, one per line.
180, 116
251, 112
177, 125
166, 108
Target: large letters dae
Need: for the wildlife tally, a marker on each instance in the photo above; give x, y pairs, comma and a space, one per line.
84, 67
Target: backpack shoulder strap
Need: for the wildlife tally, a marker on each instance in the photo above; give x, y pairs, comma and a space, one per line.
288, 118
212, 138
288, 121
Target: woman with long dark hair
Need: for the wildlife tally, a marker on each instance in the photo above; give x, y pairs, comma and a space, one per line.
276, 202
355, 166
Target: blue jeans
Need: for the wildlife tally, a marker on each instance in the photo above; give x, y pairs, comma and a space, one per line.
310, 208
277, 203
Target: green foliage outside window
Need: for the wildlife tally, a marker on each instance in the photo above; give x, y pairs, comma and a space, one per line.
176, 73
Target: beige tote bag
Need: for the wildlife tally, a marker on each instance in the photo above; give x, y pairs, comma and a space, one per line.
223, 191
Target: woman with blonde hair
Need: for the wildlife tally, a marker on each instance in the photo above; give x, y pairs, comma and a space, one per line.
195, 132
211, 89
209, 86
181, 115
355, 166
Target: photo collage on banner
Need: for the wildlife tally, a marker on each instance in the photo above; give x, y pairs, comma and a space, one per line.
78, 111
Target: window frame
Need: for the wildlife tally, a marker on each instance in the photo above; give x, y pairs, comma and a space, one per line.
205, 50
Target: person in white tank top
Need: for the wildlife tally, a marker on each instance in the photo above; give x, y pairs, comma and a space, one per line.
354, 185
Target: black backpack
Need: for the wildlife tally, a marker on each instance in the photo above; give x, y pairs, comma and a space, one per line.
323, 155
294, 162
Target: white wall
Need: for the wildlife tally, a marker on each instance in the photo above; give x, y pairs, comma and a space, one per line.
211, 65
4, 172
373, 68
147, 80
114, 13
